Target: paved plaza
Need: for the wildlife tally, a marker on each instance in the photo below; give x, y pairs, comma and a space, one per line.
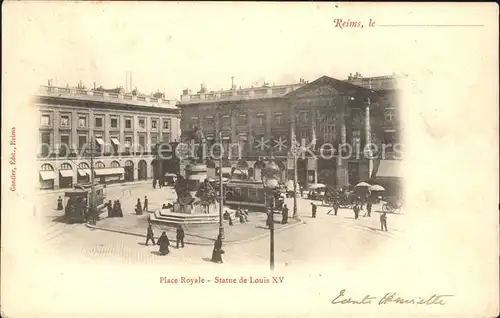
312, 240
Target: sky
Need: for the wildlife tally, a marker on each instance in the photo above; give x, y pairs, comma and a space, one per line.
173, 46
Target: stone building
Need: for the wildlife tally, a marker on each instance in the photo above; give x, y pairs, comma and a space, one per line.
119, 127
323, 114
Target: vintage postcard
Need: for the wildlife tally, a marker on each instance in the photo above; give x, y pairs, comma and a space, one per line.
249, 159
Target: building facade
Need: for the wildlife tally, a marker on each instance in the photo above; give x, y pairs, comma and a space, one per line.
120, 130
322, 115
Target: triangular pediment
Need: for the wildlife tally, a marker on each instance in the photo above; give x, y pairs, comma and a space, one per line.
326, 86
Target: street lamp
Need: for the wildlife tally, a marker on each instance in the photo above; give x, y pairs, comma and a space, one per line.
270, 183
221, 204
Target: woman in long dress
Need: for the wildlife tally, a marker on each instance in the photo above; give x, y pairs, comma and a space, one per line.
60, 204
164, 244
217, 251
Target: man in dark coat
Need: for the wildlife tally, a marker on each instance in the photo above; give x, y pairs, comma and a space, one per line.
383, 222
217, 251
368, 209
180, 236
314, 210
60, 204
356, 210
109, 206
150, 235
145, 204
138, 207
285, 215
270, 219
119, 208
164, 244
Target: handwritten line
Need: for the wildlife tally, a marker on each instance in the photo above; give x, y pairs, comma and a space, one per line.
431, 25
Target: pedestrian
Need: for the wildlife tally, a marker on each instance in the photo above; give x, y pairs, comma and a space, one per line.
285, 215
180, 236
356, 211
368, 209
119, 208
301, 191
335, 208
270, 219
314, 209
154, 183
160, 183
150, 234
164, 244
383, 222
60, 204
109, 206
227, 216
138, 207
145, 204
217, 251
115, 209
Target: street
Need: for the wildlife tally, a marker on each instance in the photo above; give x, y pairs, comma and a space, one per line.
325, 239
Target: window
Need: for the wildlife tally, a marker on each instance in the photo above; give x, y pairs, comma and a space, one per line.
64, 121
237, 192
241, 120
225, 121
128, 123
82, 141
82, 121
166, 138
114, 122
45, 120
115, 164
154, 140
98, 122
252, 193
128, 143
46, 143
142, 123
389, 114
356, 141
390, 139
115, 143
154, 124
261, 120
278, 119
142, 141
99, 143
166, 124
99, 165
194, 120
210, 121
303, 117
64, 146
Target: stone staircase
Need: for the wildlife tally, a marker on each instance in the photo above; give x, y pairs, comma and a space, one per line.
167, 218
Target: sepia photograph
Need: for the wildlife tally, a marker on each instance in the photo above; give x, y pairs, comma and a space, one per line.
271, 159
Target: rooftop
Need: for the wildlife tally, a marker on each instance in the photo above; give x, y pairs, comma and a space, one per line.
262, 92
377, 83
104, 96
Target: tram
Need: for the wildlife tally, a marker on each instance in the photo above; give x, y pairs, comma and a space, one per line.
79, 198
248, 193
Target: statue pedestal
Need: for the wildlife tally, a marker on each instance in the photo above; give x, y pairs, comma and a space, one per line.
196, 214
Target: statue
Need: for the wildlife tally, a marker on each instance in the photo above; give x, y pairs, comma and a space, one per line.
199, 143
181, 189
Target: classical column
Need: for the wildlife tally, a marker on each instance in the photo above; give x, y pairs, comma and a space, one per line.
341, 166
368, 135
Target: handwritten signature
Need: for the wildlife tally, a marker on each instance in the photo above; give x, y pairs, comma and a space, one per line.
388, 298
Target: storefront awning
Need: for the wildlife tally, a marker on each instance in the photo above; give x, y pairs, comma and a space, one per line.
389, 169
115, 141
66, 173
83, 172
47, 175
109, 171
99, 141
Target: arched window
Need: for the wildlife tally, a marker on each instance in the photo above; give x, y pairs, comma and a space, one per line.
99, 164
46, 167
83, 165
129, 163
65, 166
115, 164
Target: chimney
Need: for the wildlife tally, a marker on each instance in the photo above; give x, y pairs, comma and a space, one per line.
232, 82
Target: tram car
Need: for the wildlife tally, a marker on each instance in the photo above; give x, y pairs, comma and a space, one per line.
248, 193
78, 201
